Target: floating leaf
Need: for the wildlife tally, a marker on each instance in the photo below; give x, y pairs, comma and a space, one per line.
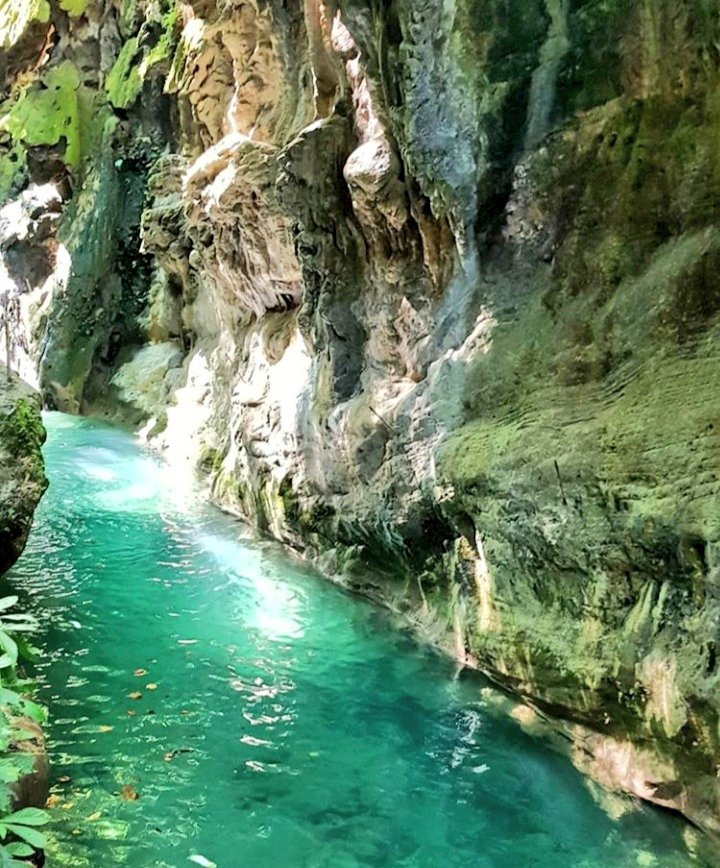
202, 861
151, 687
105, 728
95, 816
135, 695
139, 673
53, 800
131, 712
64, 779
129, 794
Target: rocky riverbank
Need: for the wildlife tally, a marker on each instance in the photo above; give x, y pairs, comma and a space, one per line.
22, 477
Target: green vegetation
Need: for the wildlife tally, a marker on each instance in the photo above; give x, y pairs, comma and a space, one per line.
16, 15
55, 111
124, 81
18, 829
74, 8
45, 116
22, 825
23, 433
139, 55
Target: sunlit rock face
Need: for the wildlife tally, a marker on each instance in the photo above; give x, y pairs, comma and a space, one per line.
433, 294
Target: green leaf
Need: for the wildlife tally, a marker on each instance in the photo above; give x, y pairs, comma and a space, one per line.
5, 802
9, 772
33, 711
27, 650
29, 817
27, 833
22, 686
10, 651
7, 603
74, 8
7, 861
6, 738
17, 848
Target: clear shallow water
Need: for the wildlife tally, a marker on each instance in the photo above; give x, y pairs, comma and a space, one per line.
290, 725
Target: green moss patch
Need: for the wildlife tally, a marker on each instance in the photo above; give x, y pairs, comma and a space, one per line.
22, 433
139, 56
124, 81
17, 15
74, 8
48, 113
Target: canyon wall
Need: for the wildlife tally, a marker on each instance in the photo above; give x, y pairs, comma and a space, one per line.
429, 291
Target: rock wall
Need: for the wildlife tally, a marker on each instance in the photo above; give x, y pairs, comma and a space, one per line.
22, 478
430, 291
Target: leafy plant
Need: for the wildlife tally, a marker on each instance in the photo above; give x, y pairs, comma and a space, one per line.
23, 824
19, 832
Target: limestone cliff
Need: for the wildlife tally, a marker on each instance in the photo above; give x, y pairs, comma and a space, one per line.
429, 290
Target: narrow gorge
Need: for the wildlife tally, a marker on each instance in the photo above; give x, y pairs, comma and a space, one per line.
427, 291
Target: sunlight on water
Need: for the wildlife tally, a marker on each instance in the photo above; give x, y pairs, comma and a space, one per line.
213, 702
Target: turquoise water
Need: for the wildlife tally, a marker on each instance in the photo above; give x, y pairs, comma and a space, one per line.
290, 725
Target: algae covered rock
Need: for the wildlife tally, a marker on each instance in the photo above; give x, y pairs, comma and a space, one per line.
22, 477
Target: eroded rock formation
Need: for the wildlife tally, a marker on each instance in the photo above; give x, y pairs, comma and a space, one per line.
430, 291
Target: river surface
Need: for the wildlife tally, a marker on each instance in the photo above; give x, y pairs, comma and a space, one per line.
212, 699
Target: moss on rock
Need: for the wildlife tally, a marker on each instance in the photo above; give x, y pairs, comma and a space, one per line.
22, 477
74, 8
140, 54
48, 114
124, 81
17, 15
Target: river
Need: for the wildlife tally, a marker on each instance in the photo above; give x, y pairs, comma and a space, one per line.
212, 700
